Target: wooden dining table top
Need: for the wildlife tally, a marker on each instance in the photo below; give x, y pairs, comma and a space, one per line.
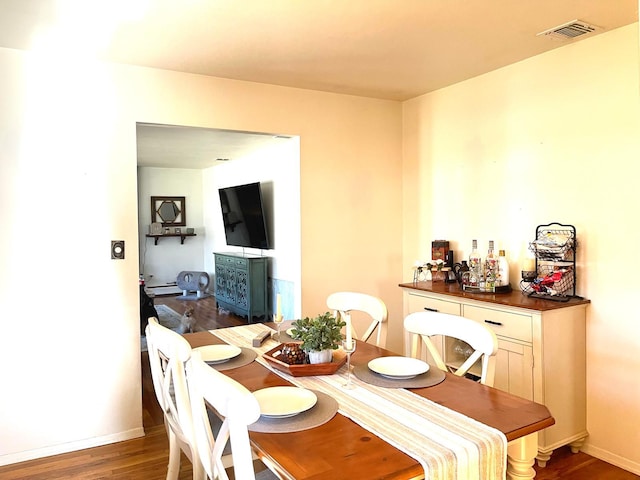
341, 449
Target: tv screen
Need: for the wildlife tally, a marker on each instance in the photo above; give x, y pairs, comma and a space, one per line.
243, 216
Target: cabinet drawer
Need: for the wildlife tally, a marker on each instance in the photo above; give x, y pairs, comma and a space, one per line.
240, 262
231, 261
224, 260
504, 324
419, 303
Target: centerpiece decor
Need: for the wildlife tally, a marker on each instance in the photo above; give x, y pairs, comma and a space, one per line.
311, 335
319, 336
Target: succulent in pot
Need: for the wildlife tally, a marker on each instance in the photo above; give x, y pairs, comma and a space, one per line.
319, 334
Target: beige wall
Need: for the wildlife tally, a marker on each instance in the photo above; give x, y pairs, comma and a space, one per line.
69, 340
555, 138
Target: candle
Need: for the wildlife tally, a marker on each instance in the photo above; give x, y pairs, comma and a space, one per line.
529, 265
349, 341
278, 306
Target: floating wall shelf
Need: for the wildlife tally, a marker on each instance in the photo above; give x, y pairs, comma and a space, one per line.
181, 235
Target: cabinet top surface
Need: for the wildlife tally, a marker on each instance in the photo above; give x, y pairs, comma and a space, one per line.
239, 255
515, 298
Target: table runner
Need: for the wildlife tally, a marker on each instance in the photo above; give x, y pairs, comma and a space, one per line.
448, 445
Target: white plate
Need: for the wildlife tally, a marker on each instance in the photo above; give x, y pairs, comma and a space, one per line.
398, 367
281, 402
289, 331
218, 353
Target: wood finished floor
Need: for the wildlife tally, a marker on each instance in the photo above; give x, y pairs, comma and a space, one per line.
146, 458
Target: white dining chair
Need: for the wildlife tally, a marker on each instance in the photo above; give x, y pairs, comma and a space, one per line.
481, 339
238, 408
343, 303
169, 353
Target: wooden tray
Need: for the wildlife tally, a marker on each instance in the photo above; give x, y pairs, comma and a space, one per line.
498, 289
307, 369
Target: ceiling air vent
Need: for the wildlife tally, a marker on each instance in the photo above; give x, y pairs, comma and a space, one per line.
572, 29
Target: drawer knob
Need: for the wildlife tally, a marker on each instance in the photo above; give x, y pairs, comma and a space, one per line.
493, 323
430, 309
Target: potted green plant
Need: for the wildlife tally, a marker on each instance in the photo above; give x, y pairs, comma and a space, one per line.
319, 335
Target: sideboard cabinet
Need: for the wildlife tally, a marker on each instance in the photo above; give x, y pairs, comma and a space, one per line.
241, 284
541, 355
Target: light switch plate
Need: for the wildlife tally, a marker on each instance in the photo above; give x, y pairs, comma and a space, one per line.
117, 249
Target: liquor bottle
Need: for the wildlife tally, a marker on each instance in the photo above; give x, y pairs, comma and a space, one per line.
491, 268
503, 269
475, 265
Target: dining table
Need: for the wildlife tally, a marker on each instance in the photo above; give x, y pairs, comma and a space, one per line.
342, 448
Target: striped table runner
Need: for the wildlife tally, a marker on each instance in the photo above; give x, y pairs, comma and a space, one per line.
448, 445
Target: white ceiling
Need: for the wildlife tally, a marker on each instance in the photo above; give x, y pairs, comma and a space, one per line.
169, 146
389, 49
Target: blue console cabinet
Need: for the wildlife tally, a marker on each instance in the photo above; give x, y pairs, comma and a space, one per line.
241, 285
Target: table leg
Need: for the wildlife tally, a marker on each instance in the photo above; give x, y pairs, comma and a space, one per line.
521, 454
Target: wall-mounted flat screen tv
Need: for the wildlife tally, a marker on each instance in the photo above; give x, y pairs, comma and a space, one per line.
243, 216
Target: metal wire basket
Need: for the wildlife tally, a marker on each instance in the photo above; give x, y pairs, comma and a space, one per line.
554, 249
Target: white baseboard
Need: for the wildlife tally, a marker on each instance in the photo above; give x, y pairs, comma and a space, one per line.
70, 447
612, 458
164, 290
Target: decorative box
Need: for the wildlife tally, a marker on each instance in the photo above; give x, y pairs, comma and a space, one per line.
439, 249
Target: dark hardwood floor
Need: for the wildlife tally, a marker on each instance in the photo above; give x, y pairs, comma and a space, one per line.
146, 458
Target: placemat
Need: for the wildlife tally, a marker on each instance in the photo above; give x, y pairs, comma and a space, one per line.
284, 337
246, 356
323, 411
428, 379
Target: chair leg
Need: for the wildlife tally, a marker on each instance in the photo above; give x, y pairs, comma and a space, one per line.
198, 470
174, 457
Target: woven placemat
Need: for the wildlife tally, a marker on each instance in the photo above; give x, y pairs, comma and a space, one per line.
433, 377
245, 358
323, 411
284, 337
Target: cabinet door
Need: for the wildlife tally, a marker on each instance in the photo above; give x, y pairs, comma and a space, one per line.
456, 352
514, 369
242, 288
223, 292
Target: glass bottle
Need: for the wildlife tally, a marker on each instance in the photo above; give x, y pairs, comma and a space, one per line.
503, 269
475, 265
491, 268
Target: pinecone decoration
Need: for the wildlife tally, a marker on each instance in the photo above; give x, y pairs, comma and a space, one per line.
293, 354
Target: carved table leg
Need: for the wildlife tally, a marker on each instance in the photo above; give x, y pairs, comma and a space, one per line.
521, 454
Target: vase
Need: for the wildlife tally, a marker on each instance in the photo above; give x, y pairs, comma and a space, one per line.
322, 356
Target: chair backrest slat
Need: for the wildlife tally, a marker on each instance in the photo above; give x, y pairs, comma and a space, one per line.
168, 354
482, 340
343, 303
236, 405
